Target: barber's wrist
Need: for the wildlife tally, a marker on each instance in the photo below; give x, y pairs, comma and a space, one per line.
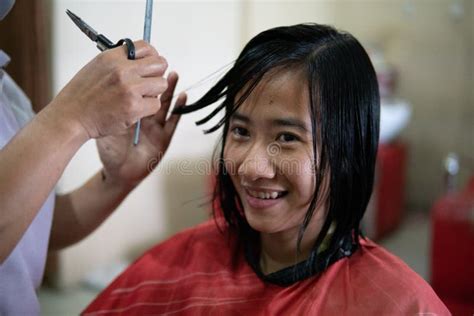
116, 183
58, 117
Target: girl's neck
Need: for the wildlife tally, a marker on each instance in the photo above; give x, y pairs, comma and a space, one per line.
279, 250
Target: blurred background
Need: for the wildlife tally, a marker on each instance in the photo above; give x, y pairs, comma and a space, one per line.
423, 52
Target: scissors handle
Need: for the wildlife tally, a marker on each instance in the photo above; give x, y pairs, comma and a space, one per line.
130, 47
103, 43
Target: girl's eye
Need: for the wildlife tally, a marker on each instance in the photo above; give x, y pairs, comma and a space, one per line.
240, 132
287, 138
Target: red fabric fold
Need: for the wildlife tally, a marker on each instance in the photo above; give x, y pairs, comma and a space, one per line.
194, 273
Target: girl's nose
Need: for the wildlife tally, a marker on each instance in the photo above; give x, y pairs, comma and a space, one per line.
257, 164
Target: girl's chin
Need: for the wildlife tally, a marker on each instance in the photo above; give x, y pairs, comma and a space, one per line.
263, 225
275, 221
262, 228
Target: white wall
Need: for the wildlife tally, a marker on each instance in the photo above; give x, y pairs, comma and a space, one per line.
260, 15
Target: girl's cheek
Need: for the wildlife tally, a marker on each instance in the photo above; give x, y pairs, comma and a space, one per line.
232, 158
294, 164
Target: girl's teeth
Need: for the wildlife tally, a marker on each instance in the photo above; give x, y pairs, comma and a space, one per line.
264, 195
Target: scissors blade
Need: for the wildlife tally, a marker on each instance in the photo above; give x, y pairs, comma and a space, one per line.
83, 26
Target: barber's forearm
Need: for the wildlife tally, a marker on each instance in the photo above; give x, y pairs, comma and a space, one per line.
30, 165
80, 212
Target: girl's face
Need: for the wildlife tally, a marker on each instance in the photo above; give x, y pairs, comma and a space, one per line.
269, 154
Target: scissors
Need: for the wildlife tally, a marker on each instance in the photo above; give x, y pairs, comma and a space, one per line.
103, 43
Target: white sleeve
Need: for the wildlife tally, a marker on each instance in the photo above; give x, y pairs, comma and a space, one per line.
19, 102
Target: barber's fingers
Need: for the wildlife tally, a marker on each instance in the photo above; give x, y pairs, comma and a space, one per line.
142, 49
173, 120
147, 63
150, 90
150, 87
149, 106
150, 66
166, 97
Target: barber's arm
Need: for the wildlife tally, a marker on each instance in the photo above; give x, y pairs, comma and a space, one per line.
78, 213
105, 98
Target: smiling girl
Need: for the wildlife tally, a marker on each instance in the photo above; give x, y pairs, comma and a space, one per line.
295, 174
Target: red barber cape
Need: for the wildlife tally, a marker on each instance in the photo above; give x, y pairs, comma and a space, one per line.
196, 273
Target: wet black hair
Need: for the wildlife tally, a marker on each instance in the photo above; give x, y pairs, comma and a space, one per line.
344, 110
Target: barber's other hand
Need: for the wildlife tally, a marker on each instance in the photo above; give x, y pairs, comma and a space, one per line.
126, 164
111, 93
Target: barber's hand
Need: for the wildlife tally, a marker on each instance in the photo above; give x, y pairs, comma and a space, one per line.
111, 93
126, 164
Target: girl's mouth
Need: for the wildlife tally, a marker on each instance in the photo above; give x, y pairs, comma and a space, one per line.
263, 199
